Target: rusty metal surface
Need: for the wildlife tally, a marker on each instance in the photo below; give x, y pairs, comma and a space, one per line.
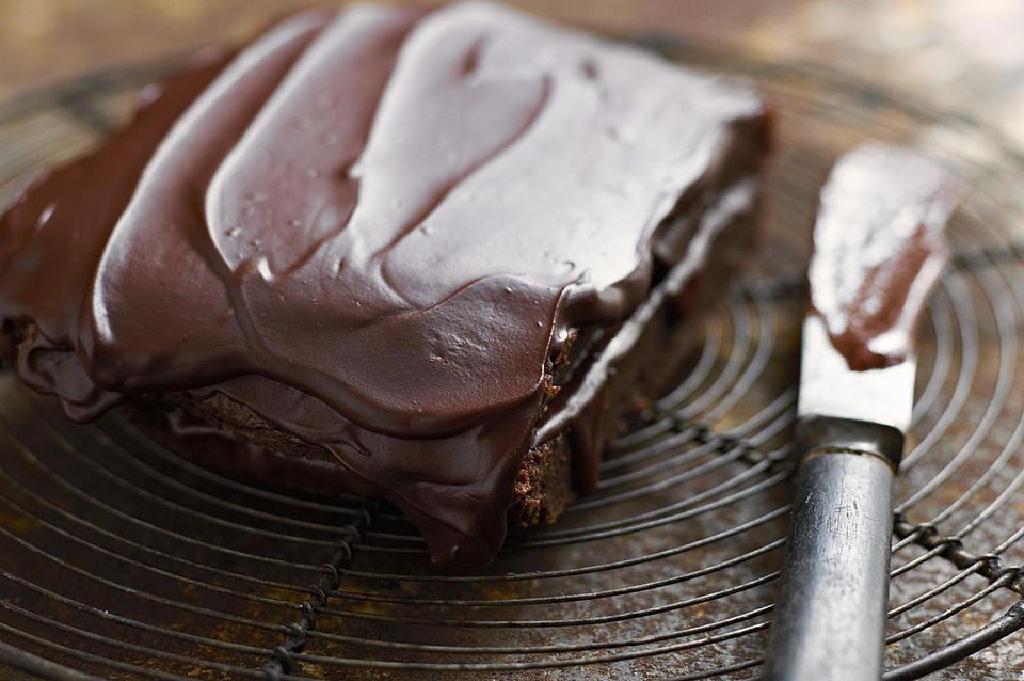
121, 561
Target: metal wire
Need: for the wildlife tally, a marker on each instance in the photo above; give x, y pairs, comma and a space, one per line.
118, 559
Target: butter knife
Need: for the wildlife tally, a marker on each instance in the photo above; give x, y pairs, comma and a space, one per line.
878, 251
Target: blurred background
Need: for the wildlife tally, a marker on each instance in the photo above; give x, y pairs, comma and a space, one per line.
964, 55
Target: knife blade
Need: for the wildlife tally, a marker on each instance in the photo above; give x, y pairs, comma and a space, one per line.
878, 251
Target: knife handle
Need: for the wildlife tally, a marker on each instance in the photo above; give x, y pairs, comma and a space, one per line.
829, 618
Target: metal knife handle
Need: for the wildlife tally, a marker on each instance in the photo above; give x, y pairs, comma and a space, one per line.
829, 618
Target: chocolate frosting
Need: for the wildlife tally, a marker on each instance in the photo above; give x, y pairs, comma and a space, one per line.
879, 249
372, 228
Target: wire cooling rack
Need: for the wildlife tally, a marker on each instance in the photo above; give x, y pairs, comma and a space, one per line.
120, 560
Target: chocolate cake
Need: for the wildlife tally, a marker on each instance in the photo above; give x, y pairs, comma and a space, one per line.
435, 257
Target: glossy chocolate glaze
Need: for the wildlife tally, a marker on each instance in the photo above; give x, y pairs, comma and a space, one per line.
371, 228
888, 206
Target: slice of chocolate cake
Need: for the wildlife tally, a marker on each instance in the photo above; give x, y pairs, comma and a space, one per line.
428, 256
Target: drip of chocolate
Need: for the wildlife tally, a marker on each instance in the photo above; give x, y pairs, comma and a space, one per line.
888, 206
371, 228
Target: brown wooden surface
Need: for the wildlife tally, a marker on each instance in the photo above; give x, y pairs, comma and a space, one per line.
959, 54
45, 40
